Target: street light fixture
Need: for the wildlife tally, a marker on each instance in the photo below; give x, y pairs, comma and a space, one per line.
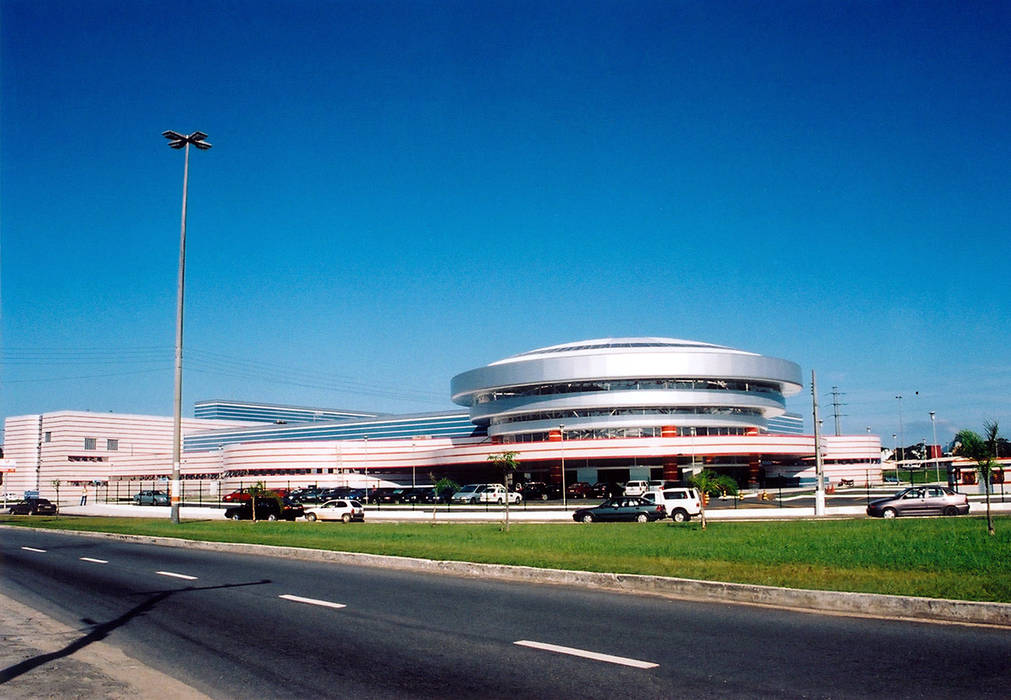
177, 141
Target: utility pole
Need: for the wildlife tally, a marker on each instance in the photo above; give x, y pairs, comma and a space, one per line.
819, 467
836, 405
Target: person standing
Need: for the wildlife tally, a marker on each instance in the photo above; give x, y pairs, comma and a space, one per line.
84, 496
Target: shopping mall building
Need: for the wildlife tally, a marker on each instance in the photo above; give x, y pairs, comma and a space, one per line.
604, 410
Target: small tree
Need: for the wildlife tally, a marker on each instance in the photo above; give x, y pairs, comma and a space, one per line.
710, 483
443, 485
508, 464
56, 485
981, 450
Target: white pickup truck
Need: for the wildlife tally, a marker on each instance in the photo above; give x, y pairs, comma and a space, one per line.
680, 503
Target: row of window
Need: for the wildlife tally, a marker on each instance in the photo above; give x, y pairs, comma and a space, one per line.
631, 385
606, 433
111, 444
283, 471
90, 443
607, 412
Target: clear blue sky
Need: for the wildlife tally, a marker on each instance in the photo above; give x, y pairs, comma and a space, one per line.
401, 191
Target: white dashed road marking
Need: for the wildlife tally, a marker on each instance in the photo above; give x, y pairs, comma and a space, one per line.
32, 549
312, 601
635, 663
173, 575
94, 561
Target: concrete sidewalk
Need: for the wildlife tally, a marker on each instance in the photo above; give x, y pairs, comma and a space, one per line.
538, 514
43, 658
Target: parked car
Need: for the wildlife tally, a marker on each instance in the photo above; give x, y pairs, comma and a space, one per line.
466, 494
356, 494
344, 509
409, 495
33, 506
607, 489
432, 495
384, 494
680, 504
310, 495
636, 488
626, 508
243, 495
496, 493
920, 500
539, 491
578, 489
266, 509
151, 498
415, 495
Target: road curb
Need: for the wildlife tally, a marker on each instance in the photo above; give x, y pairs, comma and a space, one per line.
836, 602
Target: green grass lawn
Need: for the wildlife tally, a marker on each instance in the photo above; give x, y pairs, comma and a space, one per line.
932, 557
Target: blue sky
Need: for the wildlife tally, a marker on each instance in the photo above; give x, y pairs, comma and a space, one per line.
401, 191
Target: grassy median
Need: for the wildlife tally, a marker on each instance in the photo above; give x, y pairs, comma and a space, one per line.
932, 557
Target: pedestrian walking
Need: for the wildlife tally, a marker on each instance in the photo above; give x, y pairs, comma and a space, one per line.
84, 496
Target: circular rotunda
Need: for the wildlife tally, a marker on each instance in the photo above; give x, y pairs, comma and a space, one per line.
627, 387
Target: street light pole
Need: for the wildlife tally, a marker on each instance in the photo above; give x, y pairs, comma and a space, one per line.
895, 453
937, 457
901, 437
177, 141
561, 432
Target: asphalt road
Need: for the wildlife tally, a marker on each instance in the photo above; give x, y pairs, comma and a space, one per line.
229, 632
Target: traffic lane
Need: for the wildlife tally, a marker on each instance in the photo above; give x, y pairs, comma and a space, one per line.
455, 659
390, 606
695, 644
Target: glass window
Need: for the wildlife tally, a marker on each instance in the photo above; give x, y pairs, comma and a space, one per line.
49, 436
111, 444
89, 443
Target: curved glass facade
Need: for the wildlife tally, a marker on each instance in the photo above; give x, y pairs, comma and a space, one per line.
627, 387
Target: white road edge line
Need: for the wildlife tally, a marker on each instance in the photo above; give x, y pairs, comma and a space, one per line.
635, 663
173, 575
32, 549
94, 561
311, 601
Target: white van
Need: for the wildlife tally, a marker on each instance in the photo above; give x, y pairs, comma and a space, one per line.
636, 488
680, 503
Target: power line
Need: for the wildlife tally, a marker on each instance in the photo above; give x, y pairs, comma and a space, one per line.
204, 362
836, 405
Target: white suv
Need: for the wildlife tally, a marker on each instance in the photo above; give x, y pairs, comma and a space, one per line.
496, 493
485, 493
636, 488
681, 504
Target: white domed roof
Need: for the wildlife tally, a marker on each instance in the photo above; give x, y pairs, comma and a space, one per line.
617, 346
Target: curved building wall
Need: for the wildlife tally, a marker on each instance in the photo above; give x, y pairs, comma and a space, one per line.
627, 387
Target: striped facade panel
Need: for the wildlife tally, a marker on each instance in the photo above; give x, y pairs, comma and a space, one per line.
787, 424
79, 449
438, 425
272, 413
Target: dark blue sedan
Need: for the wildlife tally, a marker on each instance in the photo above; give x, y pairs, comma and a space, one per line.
625, 509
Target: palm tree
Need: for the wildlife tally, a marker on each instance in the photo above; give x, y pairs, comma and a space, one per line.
257, 490
981, 450
710, 483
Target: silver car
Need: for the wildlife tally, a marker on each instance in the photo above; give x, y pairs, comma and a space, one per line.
920, 500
